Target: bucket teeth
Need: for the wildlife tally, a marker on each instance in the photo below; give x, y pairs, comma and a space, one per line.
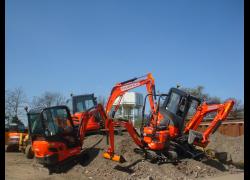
122, 159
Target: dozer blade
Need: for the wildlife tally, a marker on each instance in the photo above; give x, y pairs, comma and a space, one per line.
114, 157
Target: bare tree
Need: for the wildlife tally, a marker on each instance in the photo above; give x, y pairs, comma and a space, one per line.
48, 99
214, 100
14, 103
237, 110
199, 93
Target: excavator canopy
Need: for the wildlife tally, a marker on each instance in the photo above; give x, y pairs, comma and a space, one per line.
50, 121
177, 106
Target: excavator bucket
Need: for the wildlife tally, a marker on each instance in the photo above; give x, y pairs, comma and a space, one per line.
114, 157
194, 135
201, 138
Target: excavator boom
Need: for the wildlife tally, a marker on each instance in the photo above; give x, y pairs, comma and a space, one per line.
86, 117
121, 88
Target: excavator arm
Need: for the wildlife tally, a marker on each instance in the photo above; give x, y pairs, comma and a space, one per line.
121, 88
85, 118
222, 113
118, 91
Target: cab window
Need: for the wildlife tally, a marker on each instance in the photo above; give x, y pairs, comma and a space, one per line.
172, 105
89, 104
56, 121
192, 109
35, 122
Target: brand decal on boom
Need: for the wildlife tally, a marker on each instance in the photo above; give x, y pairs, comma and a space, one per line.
212, 107
130, 86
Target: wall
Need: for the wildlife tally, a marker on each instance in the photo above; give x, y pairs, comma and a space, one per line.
228, 128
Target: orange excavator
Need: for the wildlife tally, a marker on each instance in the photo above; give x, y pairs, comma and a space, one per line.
15, 134
78, 104
117, 93
165, 135
54, 137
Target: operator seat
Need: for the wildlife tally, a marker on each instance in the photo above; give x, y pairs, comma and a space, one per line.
68, 135
170, 118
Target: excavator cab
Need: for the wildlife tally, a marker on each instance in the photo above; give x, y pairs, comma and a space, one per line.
52, 134
174, 110
167, 120
78, 105
83, 102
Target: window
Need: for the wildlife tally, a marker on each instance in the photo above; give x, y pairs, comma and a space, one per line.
173, 103
50, 127
70, 105
83, 103
80, 107
83, 106
182, 106
56, 121
89, 104
194, 104
35, 124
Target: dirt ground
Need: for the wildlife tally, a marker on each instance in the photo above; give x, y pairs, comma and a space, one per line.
94, 166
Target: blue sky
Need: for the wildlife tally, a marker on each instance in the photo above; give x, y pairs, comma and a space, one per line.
86, 46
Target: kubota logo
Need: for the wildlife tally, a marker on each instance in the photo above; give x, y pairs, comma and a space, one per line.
130, 86
212, 107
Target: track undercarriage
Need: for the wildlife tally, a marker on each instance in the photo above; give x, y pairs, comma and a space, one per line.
174, 151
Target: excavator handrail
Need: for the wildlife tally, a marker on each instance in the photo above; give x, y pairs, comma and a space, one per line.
156, 110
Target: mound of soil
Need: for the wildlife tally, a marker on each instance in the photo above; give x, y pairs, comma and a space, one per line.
93, 166
233, 146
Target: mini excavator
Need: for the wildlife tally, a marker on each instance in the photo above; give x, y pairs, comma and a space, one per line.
78, 104
54, 137
165, 134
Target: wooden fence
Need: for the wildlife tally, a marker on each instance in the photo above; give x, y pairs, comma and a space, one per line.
229, 128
